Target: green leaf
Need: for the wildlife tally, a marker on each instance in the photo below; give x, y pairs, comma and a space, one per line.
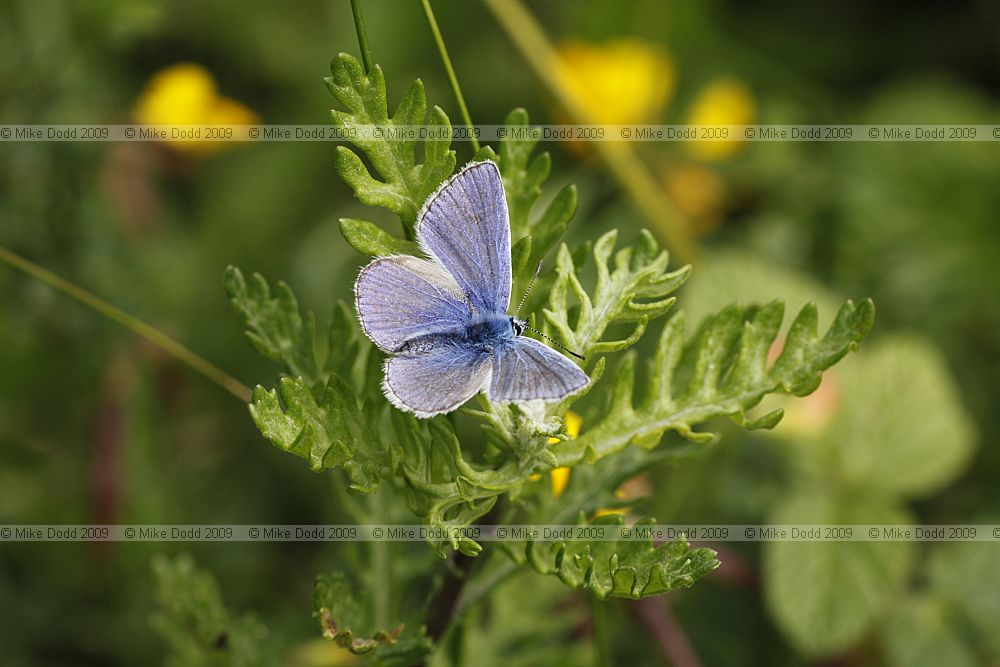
633, 292
627, 568
368, 239
333, 431
920, 632
900, 426
963, 575
274, 325
397, 182
825, 596
195, 624
346, 619
722, 372
506, 632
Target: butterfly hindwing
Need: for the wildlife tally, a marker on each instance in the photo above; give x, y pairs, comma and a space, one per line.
465, 226
435, 381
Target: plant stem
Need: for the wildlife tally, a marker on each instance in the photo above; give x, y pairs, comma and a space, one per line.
380, 562
528, 37
451, 74
482, 585
359, 27
599, 619
133, 324
668, 633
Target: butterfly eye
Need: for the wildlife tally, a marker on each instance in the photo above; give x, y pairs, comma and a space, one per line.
517, 326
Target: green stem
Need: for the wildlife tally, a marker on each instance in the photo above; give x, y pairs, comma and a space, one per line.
133, 324
380, 562
359, 27
602, 644
451, 74
482, 585
632, 175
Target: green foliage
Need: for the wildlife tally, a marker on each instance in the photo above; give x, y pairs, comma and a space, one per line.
907, 447
274, 326
875, 452
962, 576
920, 633
332, 432
506, 632
723, 371
826, 595
368, 239
337, 421
634, 291
952, 618
195, 624
347, 619
404, 184
627, 568
324, 415
332, 413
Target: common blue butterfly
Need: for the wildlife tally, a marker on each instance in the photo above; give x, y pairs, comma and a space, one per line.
444, 319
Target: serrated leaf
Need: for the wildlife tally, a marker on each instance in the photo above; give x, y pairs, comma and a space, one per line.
825, 596
197, 627
633, 291
628, 568
332, 431
274, 325
722, 372
397, 181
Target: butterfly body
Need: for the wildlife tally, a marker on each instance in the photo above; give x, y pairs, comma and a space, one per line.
444, 319
485, 335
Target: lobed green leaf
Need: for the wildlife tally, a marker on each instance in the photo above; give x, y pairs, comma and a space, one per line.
628, 568
722, 372
346, 619
396, 181
275, 327
195, 624
333, 431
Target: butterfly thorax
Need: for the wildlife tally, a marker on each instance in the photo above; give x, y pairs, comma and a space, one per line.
493, 331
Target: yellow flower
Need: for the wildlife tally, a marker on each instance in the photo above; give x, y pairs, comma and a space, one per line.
621, 82
186, 94
700, 194
724, 101
632, 488
559, 477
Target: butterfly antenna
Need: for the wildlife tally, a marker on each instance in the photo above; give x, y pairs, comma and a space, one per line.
538, 269
556, 343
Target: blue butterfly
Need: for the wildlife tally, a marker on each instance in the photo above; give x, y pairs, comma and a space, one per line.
444, 319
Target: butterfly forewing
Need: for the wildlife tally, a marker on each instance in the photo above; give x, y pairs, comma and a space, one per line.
402, 297
465, 226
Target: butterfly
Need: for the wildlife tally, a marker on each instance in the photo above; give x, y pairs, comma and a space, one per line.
443, 320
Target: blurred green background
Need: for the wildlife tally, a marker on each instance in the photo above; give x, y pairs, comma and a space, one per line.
97, 426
